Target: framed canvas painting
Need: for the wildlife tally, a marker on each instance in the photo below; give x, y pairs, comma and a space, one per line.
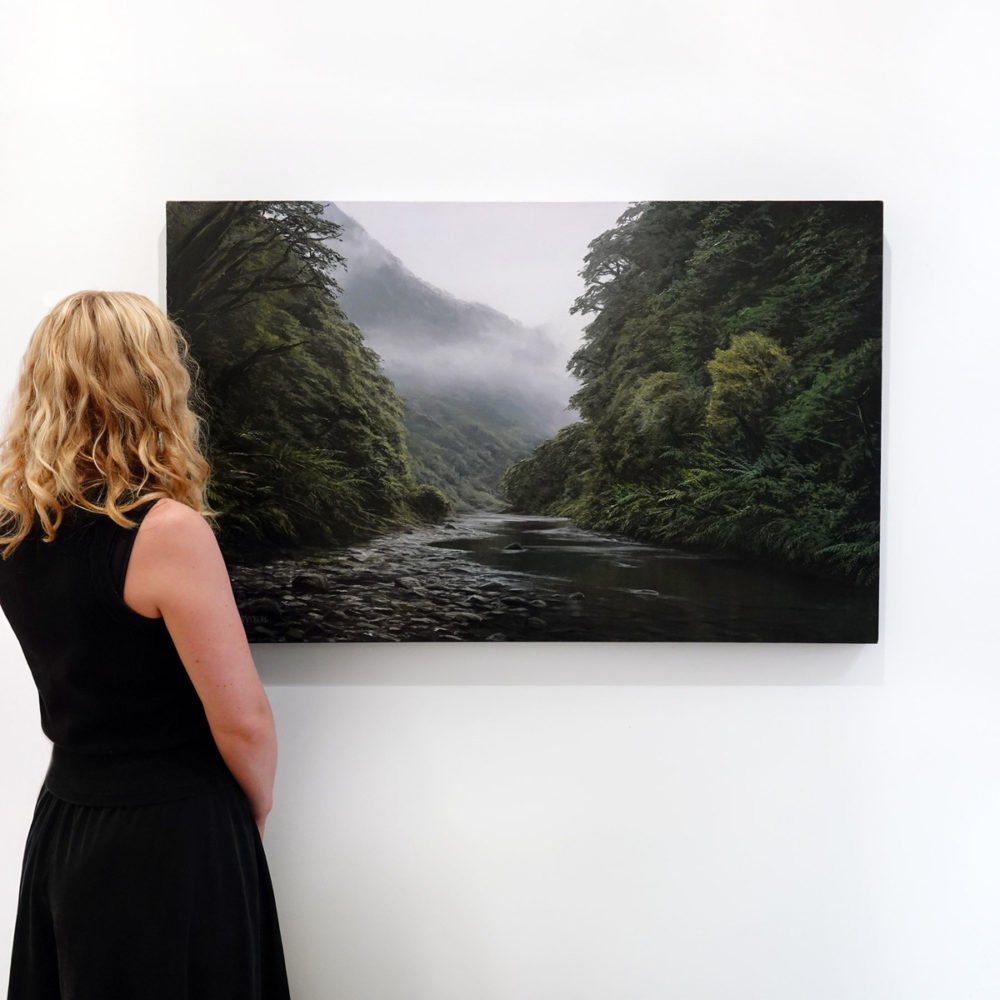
442, 421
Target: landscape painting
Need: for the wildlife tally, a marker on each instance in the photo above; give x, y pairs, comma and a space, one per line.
540, 421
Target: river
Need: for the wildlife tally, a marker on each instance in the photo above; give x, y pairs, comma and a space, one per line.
504, 577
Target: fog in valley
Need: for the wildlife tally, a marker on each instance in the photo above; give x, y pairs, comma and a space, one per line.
472, 298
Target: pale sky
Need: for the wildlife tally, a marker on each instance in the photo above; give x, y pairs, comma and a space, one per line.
522, 258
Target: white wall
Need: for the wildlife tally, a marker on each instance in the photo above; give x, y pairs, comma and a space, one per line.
608, 822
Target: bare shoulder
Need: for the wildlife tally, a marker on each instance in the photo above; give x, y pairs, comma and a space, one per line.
170, 524
175, 560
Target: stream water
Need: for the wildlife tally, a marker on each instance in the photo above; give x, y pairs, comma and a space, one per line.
509, 577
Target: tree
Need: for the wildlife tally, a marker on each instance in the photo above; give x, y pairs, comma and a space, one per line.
749, 380
224, 254
306, 431
553, 476
659, 429
730, 382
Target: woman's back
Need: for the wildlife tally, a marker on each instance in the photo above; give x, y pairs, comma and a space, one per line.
125, 720
109, 679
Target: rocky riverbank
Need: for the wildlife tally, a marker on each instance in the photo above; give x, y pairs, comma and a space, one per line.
505, 577
404, 588
412, 587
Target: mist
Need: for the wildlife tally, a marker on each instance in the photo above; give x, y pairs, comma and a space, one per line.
472, 296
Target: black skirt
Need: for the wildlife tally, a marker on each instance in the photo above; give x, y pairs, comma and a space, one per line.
163, 901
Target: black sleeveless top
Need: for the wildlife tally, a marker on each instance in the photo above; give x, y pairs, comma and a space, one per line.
125, 721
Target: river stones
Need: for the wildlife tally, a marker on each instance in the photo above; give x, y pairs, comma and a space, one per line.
310, 583
262, 634
403, 587
266, 607
465, 617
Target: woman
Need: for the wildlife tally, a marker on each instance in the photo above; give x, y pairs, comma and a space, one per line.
144, 876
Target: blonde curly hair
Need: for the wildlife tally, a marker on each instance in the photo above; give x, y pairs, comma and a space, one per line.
101, 417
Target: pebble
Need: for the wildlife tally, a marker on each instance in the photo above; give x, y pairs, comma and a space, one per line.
399, 588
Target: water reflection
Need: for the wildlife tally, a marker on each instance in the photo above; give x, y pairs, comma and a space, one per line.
644, 591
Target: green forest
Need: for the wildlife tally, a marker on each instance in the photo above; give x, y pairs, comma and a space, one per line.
730, 390
306, 436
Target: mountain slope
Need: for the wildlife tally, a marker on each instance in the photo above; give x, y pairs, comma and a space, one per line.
481, 390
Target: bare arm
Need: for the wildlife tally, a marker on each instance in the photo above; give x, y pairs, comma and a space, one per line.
178, 573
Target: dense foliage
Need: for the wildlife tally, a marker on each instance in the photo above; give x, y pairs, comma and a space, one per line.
731, 384
462, 442
306, 432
